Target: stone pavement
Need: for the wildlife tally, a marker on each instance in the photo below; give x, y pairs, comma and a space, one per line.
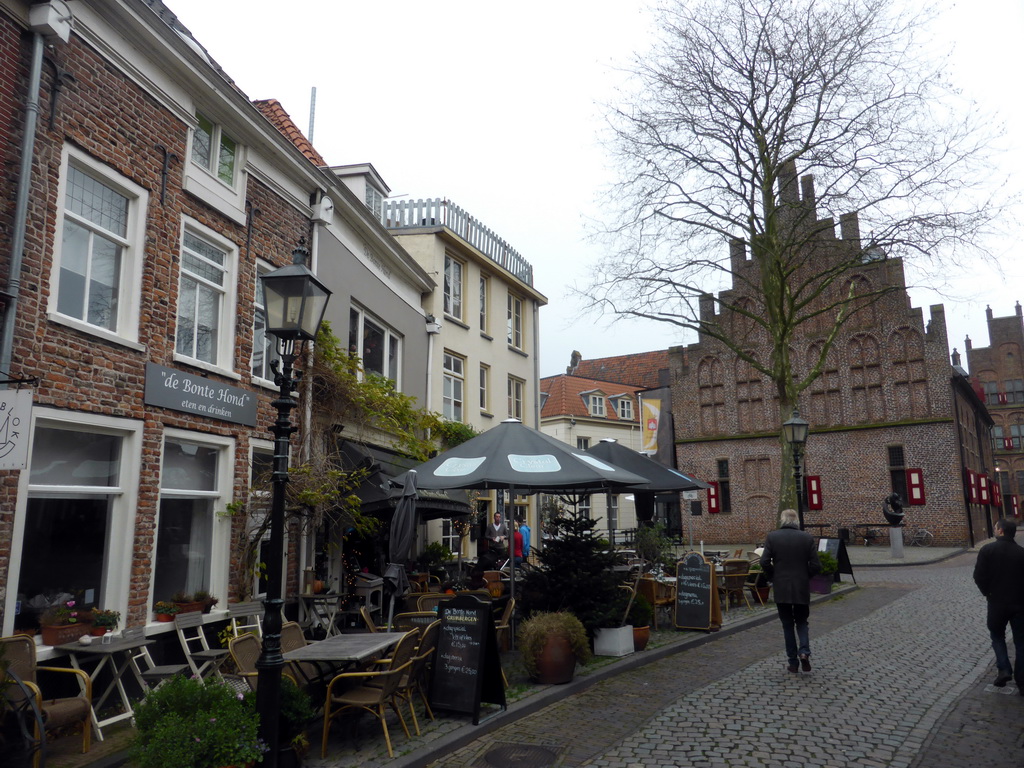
901, 672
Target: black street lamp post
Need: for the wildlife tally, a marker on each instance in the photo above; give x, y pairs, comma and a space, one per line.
795, 432
295, 301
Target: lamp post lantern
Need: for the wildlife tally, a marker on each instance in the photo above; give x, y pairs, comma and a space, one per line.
795, 430
295, 301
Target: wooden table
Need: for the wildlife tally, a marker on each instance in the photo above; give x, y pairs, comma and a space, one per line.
107, 655
346, 648
320, 611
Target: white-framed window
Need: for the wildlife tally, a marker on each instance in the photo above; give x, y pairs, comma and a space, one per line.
378, 346
453, 269
97, 265
625, 408
261, 467
613, 512
582, 443
584, 508
454, 386
264, 345
76, 527
515, 321
595, 404
516, 391
206, 298
214, 150
485, 377
449, 536
375, 202
485, 290
191, 544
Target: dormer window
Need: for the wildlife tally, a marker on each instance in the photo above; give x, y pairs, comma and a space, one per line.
214, 150
625, 408
375, 202
595, 404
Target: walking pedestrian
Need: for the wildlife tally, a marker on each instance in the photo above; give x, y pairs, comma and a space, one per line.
788, 561
999, 574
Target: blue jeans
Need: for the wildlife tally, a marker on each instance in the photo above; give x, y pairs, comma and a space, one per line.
998, 618
794, 627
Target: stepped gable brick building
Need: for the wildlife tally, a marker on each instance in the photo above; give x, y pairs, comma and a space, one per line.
888, 413
998, 372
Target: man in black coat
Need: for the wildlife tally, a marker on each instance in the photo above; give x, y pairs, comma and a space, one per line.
789, 560
999, 574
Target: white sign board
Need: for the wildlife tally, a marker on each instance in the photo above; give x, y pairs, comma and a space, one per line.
15, 418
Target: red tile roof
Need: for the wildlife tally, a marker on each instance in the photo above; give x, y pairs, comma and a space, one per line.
274, 112
641, 369
564, 396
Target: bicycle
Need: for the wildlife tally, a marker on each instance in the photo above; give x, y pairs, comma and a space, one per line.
917, 537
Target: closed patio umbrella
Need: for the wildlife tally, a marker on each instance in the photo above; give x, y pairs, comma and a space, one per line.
403, 534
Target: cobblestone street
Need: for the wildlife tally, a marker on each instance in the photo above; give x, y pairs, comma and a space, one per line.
900, 679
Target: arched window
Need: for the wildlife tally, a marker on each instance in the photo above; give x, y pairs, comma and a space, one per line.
711, 396
866, 380
909, 376
826, 402
749, 397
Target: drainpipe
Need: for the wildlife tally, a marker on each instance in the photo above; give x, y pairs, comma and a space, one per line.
28, 140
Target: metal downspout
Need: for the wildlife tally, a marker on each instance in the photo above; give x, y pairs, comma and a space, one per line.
28, 141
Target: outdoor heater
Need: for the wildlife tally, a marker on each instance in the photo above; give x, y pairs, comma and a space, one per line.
295, 302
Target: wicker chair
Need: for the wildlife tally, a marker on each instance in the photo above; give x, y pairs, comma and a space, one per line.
735, 572
657, 594
20, 652
414, 681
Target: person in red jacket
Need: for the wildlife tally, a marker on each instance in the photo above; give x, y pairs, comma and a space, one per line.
517, 544
999, 574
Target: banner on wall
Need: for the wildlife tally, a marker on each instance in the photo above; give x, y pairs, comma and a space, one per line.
15, 418
650, 416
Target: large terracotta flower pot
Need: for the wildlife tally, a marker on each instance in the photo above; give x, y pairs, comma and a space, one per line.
641, 637
556, 663
66, 633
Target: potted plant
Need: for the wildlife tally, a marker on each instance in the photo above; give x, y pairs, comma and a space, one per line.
189, 723
104, 621
64, 622
551, 645
639, 616
822, 582
165, 611
297, 712
186, 602
206, 599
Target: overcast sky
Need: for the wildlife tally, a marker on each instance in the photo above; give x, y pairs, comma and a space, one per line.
497, 107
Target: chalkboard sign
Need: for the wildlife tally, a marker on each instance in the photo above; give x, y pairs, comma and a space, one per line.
696, 599
837, 548
467, 666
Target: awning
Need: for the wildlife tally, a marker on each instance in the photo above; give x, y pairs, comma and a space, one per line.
379, 496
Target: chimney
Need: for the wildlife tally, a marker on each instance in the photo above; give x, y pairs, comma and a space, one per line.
807, 187
737, 253
787, 183
955, 357
849, 228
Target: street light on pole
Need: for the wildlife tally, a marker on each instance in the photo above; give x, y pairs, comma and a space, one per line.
295, 301
795, 430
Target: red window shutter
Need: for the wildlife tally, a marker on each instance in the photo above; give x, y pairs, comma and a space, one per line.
915, 487
713, 504
972, 487
1002, 398
813, 491
983, 494
997, 496
1016, 506
1008, 443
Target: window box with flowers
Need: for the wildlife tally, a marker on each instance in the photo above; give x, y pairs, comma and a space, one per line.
64, 623
104, 621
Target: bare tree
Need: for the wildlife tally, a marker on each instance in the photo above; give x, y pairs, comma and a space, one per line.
734, 97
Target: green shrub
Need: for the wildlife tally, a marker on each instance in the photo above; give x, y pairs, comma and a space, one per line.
534, 632
828, 563
188, 723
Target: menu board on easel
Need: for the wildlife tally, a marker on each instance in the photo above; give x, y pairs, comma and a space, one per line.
697, 605
837, 548
467, 665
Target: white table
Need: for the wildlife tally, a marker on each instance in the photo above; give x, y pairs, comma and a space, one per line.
320, 611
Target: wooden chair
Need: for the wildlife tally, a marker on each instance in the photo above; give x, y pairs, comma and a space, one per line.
246, 617
152, 674
203, 659
20, 653
734, 580
430, 601
494, 582
307, 674
371, 625
503, 626
657, 594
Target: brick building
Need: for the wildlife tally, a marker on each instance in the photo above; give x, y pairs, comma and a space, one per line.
888, 413
154, 194
998, 371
